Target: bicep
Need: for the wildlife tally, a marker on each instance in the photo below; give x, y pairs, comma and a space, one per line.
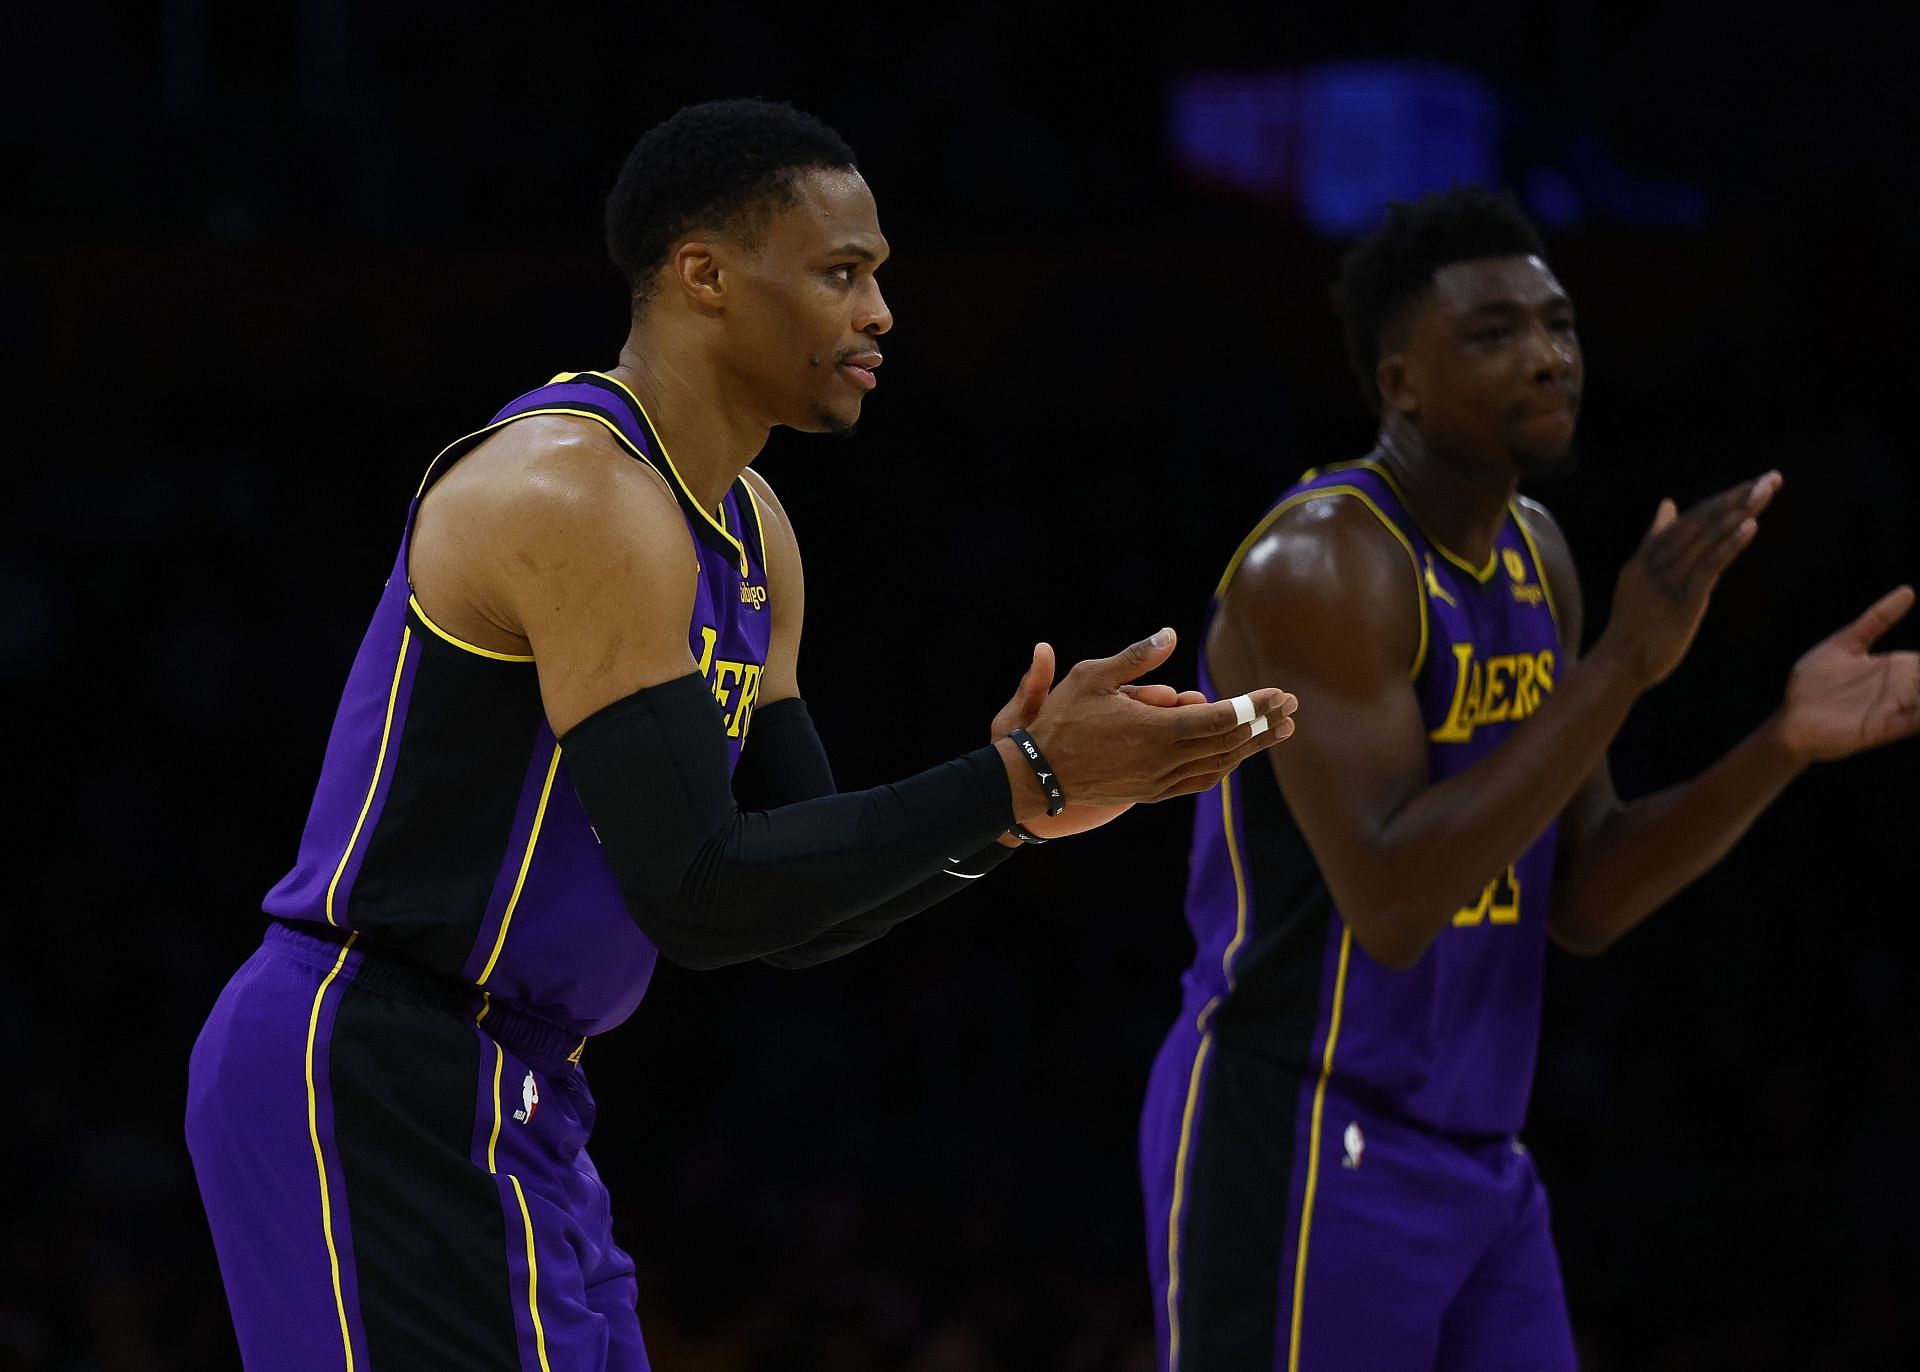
1332, 613
599, 572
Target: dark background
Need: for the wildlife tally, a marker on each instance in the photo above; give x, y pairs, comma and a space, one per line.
262, 261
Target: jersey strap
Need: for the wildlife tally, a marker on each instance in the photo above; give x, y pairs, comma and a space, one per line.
603, 399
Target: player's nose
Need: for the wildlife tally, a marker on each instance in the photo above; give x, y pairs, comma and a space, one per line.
1552, 359
874, 317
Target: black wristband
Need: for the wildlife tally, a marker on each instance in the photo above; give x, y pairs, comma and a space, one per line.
1024, 834
1049, 782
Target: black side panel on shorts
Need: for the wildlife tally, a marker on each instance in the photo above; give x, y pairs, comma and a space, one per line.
429, 1236
1232, 1250
469, 732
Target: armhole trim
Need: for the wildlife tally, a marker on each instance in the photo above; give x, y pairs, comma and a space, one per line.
1293, 502
1539, 570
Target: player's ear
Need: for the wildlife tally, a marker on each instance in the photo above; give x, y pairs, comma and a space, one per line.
694, 268
1398, 394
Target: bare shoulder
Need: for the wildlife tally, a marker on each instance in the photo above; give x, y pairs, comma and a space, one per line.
1325, 577
548, 461
1330, 557
553, 479
548, 501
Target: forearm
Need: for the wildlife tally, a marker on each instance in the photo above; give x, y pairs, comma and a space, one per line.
852, 934
786, 763
1644, 852
1435, 853
712, 884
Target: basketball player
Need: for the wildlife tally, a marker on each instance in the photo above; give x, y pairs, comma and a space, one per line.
1333, 1175
526, 797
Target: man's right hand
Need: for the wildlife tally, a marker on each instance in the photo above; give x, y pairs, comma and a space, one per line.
1109, 748
1663, 590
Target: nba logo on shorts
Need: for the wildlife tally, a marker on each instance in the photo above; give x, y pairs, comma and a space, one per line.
529, 1100
1356, 1143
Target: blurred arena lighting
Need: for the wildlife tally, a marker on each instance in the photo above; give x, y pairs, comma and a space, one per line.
1336, 142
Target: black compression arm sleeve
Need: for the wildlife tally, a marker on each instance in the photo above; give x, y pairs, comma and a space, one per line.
861, 930
710, 883
783, 762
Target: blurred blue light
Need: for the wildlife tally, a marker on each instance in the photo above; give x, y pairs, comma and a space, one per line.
1550, 198
1338, 141
1380, 133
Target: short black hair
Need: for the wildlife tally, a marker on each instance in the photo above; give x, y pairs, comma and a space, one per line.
1388, 271
720, 163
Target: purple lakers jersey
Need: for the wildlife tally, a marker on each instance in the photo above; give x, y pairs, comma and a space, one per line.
444, 826
1450, 1042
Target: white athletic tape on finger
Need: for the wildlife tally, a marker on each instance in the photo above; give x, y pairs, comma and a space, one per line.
1242, 709
1259, 727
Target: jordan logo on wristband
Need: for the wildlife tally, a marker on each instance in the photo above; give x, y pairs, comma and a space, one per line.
1056, 798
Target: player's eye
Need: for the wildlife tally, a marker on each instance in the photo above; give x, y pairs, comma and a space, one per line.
1493, 333
843, 272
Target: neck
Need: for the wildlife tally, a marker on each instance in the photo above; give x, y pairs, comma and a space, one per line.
1459, 501
694, 405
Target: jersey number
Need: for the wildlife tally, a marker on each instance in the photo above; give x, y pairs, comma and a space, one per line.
1498, 904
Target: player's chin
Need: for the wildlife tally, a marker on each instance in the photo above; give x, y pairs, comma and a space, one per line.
1539, 463
1542, 444
838, 420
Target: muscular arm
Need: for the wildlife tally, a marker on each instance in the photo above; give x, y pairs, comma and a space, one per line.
549, 541
784, 761
1616, 863
581, 553
1329, 602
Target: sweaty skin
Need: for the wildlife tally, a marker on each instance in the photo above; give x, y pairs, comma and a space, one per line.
1478, 385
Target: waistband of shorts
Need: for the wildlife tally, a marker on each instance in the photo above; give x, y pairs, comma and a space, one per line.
545, 1046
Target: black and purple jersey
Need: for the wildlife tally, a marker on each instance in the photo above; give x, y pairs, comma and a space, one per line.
444, 822
1449, 1043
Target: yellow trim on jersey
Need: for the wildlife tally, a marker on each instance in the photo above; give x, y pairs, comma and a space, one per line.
1239, 882
1239, 906
1179, 1193
1313, 1149
667, 458
486, 1005
319, 1159
414, 601
1193, 1081
1312, 472
611, 428
759, 519
1481, 575
379, 763
526, 861
533, 1275
1301, 498
1539, 567
499, 1061
427, 475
